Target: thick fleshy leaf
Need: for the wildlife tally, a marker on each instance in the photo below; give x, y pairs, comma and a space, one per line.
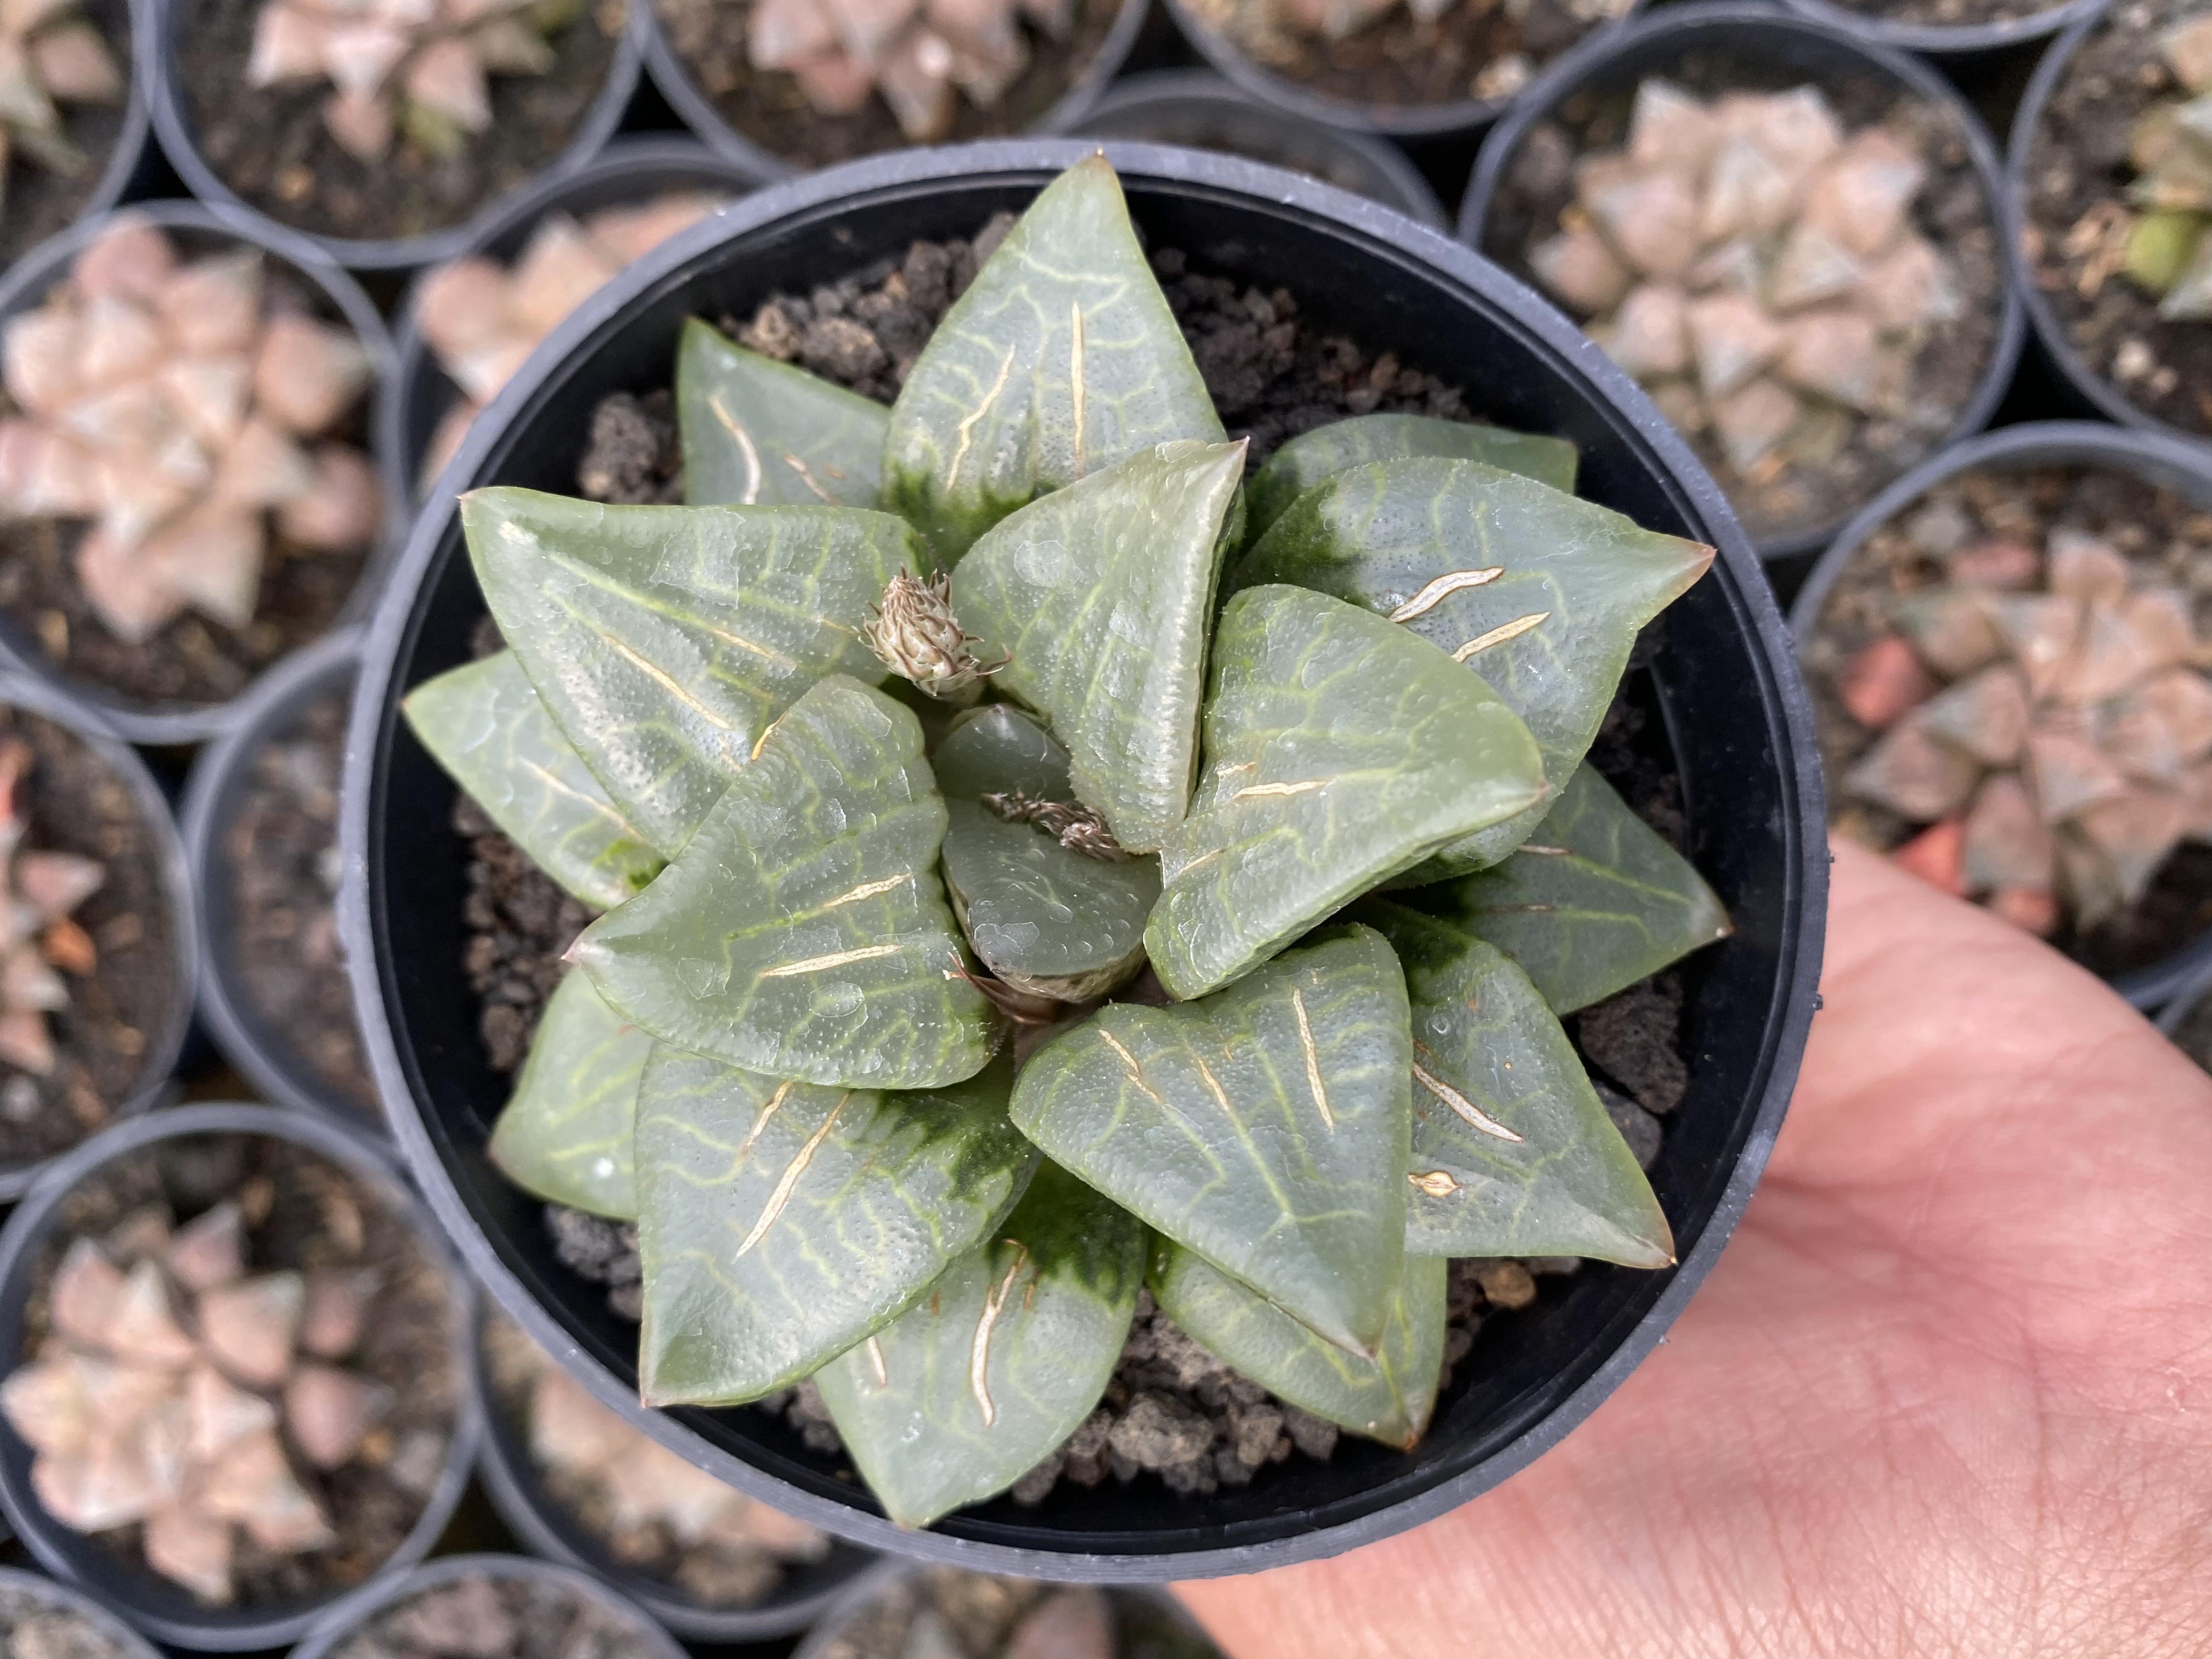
1339, 749
780, 1223
804, 932
758, 433
1593, 903
665, 640
1387, 1398
1043, 918
1538, 592
1513, 1152
1312, 457
1265, 1127
566, 1131
1060, 359
976, 1383
1099, 597
486, 727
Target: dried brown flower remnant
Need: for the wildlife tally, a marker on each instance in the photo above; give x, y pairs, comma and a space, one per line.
921, 55
422, 66
915, 633
170, 401
181, 1394
2062, 745
39, 943
1755, 267
482, 319
49, 57
2168, 251
1070, 823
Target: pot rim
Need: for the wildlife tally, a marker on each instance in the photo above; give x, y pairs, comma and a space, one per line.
157, 68
53, 702
229, 1630
345, 1618
30, 279
1389, 236
1948, 40
130, 139
2156, 458
37, 1587
671, 76
1596, 54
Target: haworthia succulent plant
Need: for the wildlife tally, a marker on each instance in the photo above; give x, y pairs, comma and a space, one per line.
1312, 457
1100, 598
566, 1131
976, 1383
780, 1223
758, 433
1339, 750
804, 931
1540, 594
1387, 1398
1265, 1127
1060, 359
486, 727
1513, 1152
665, 640
1043, 917
1593, 903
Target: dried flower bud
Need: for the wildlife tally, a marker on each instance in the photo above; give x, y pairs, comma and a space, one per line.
915, 635
1070, 823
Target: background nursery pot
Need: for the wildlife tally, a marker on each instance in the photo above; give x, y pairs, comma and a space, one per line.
1946, 39
29, 1592
628, 173
1161, 1616
198, 229
166, 25
2160, 461
1200, 111
130, 160
350, 1617
262, 1047
170, 882
1775, 45
164, 1610
1733, 700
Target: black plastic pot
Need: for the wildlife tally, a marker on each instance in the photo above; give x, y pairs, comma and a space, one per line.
163, 1610
197, 228
824, 1640
1300, 102
1738, 712
697, 112
545, 1528
60, 1598
416, 396
2165, 462
1199, 110
264, 1053
163, 26
1942, 40
164, 1044
1802, 45
330, 1631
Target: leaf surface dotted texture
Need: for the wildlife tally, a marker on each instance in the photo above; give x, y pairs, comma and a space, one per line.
758, 433
1312, 457
567, 1132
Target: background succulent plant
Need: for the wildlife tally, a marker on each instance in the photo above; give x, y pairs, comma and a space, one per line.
784, 1053
48, 56
2166, 249
39, 943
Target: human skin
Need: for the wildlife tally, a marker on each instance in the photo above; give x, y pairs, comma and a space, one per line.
1948, 1390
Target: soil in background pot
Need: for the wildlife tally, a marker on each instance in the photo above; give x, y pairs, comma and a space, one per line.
2074, 236
494, 1616
948, 1614
280, 852
36, 1627
709, 38
1950, 14
1200, 126
41, 202
304, 1212
270, 145
2166, 538
1952, 211
1484, 50
78, 803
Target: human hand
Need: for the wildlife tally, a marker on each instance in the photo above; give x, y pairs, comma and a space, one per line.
1948, 1391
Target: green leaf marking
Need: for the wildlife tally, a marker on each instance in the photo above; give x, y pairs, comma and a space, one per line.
1312, 457
566, 1131
758, 433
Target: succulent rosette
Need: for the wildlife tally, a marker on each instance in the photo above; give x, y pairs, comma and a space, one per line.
1195, 906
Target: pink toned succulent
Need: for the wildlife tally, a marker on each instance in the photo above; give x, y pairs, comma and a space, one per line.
48, 56
39, 943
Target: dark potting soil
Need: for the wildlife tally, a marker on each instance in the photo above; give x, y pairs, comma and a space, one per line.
2168, 536
269, 144
37, 1627
981, 1617
497, 1617
767, 106
1952, 211
304, 1212
2077, 217
280, 857
78, 803
1480, 49
1171, 1408
41, 202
